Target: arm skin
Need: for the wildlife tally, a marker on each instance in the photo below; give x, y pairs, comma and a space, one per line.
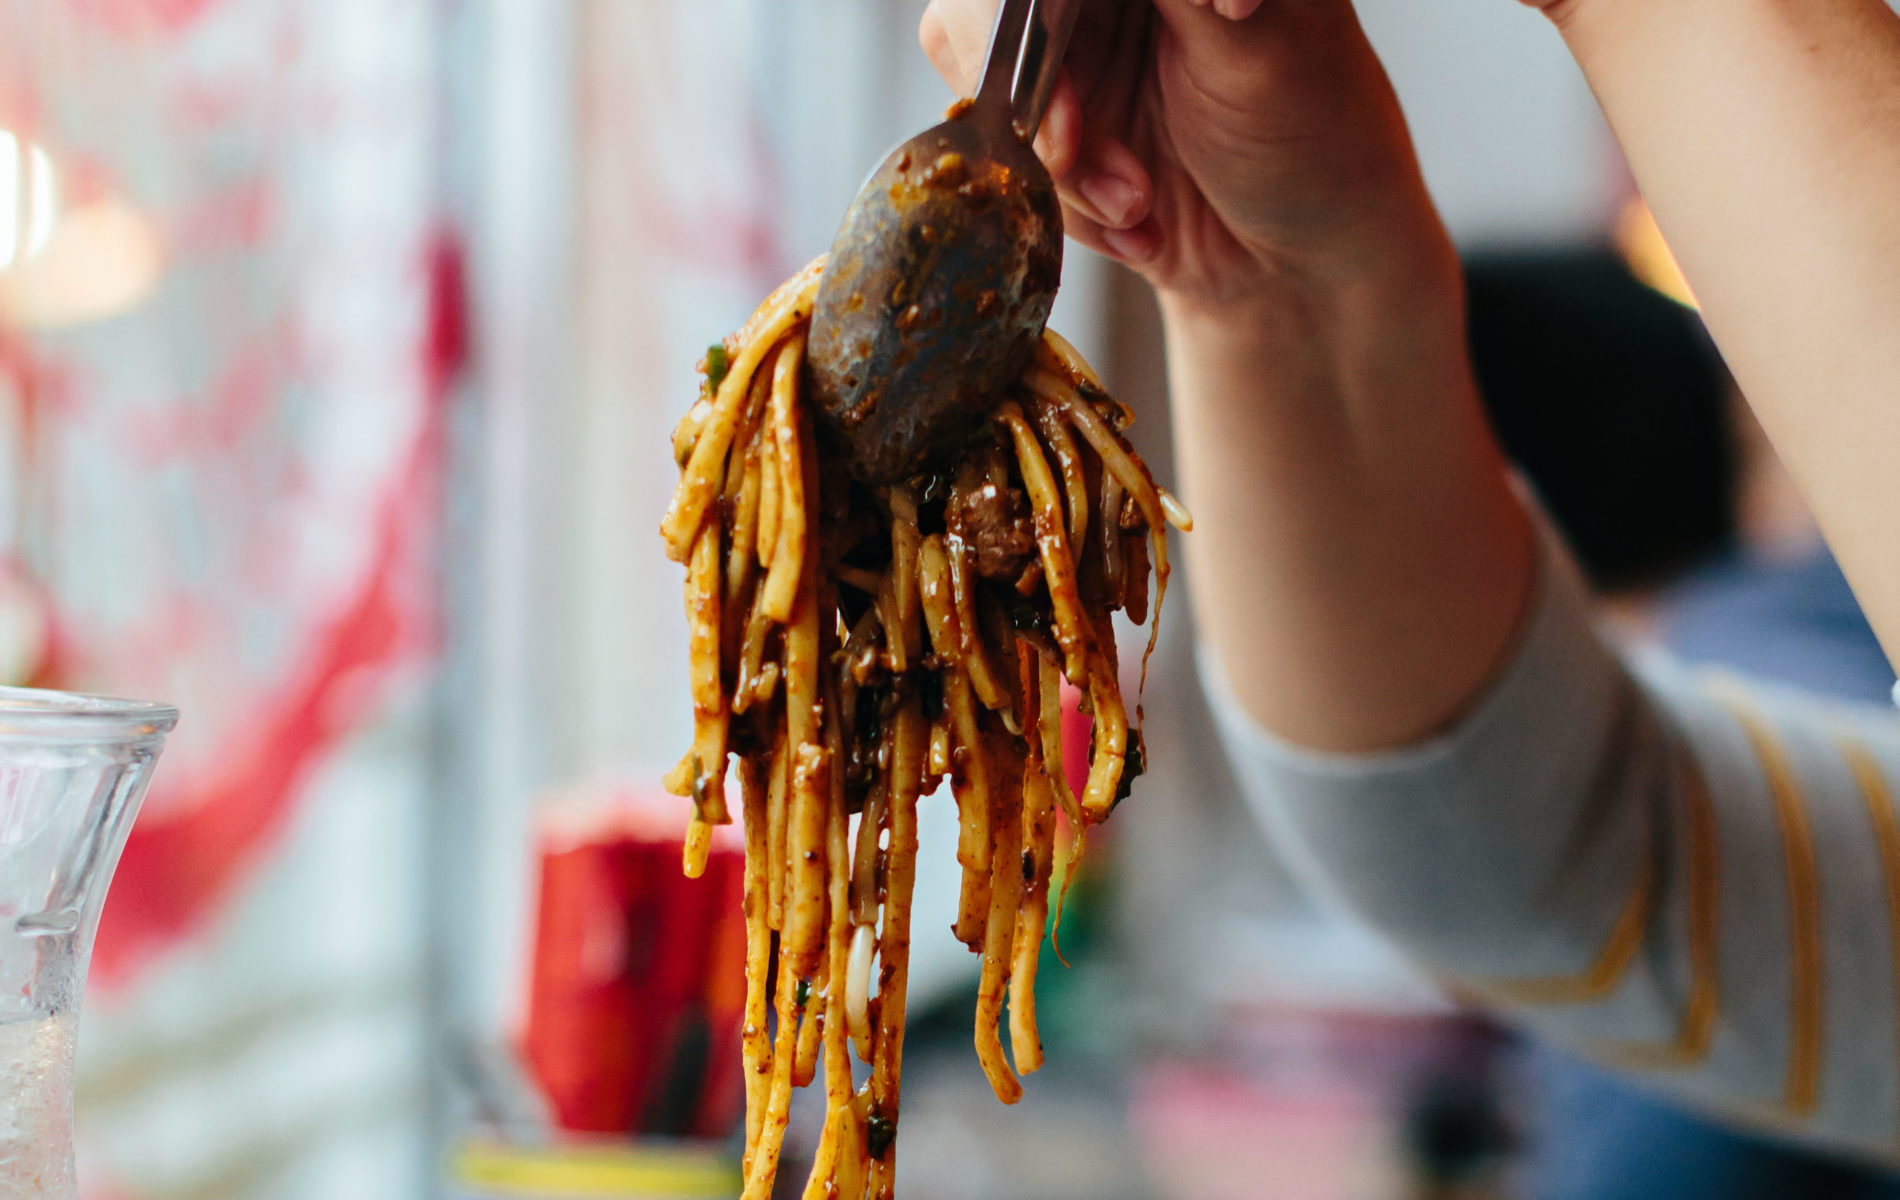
1766, 136
1359, 562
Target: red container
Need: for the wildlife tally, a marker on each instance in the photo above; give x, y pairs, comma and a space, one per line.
638, 973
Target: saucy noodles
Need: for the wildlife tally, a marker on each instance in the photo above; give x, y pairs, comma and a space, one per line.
851, 647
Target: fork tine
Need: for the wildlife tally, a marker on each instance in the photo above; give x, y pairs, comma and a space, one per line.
1050, 23
1006, 50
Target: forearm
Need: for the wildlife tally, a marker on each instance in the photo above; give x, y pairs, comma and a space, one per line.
1766, 136
1667, 873
1359, 562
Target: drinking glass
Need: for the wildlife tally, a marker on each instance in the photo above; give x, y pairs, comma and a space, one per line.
72, 772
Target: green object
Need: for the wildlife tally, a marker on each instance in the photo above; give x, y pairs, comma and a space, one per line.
629, 1171
718, 362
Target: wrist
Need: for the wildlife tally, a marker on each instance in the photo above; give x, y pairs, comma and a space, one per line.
1358, 316
1397, 262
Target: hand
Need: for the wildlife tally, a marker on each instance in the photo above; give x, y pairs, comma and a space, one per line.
1217, 146
1559, 11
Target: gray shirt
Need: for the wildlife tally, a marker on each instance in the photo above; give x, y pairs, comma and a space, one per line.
1674, 872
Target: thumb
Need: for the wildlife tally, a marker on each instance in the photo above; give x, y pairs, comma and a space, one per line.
1228, 35
1243, 53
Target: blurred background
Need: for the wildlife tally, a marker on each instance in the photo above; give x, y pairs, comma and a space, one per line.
339, 345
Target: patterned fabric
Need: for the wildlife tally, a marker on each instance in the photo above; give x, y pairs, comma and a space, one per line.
226, 477
1599, 1135
1678, 874
221, 491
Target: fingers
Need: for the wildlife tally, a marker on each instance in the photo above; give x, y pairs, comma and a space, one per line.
1060, 137
934, 37
1235, 10
1107, 194
935, 40
1135, 247
1110, 184
1283, 65
955, 34
1229, 35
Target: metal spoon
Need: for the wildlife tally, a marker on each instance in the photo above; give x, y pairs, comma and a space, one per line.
941, 278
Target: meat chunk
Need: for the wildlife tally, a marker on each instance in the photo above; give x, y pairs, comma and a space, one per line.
996, 523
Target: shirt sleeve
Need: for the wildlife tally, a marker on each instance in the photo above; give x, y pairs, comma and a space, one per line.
1688, 876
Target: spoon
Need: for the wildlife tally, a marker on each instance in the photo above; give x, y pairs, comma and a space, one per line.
941, 277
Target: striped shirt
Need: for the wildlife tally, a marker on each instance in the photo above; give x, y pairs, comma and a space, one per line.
1674, 872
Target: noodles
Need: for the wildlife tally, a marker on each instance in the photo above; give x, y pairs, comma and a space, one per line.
1038, 861
756, 1040
1058, 565
854, 647
1006, 889
788, 558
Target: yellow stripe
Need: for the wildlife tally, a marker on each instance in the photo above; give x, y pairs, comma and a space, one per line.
1691, 1044
493, 1170
1804, 903
1873, 790
1626, 938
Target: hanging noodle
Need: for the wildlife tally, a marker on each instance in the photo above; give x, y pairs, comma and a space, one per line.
854, 646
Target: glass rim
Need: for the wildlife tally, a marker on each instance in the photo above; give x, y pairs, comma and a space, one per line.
40, 712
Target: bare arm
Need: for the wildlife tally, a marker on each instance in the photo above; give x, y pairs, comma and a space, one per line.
1766, 136
1359, 562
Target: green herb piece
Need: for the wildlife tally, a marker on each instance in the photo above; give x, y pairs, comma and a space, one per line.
718, 362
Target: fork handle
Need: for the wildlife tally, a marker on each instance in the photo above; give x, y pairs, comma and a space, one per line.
1025, 55
1046, 40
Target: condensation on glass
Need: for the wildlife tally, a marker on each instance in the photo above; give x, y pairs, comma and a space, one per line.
72, 772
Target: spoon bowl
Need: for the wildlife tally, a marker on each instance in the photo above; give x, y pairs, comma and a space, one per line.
942, 276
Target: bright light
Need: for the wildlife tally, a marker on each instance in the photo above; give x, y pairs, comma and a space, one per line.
57, 268
44, 189
9, 198
104, 259
27, 213
1648, 255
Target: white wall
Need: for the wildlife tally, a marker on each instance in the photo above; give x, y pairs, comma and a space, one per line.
1513, 146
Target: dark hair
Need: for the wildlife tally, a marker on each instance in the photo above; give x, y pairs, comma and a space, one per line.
1612, 400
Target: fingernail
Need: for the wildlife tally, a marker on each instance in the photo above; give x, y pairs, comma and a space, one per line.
1111, 196
1044, 144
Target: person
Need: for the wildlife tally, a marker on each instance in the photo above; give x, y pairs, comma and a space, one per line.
1608, 398
1766, 137
1696, 880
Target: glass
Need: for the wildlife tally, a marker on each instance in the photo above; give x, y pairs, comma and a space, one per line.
72, 772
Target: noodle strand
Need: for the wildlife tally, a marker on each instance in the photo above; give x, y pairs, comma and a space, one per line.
873, 642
